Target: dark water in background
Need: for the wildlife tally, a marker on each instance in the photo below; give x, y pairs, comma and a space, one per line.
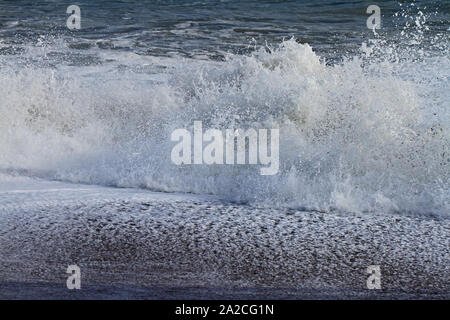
364, 118
197, 28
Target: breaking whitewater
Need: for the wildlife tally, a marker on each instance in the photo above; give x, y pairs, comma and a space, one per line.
363, 173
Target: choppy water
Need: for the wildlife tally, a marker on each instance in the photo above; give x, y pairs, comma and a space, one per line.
207, 28
363, 117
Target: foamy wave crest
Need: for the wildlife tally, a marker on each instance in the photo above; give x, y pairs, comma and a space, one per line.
368, 134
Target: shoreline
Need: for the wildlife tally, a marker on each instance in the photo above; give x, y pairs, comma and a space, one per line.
148, 245
56, 291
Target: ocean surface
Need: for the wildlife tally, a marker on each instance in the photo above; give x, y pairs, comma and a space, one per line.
364, 116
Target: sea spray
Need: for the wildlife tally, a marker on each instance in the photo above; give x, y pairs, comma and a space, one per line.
370, 133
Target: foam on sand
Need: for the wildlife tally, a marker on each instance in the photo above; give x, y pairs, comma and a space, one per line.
149, 245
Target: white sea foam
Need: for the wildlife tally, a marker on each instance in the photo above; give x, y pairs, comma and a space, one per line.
368, 134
